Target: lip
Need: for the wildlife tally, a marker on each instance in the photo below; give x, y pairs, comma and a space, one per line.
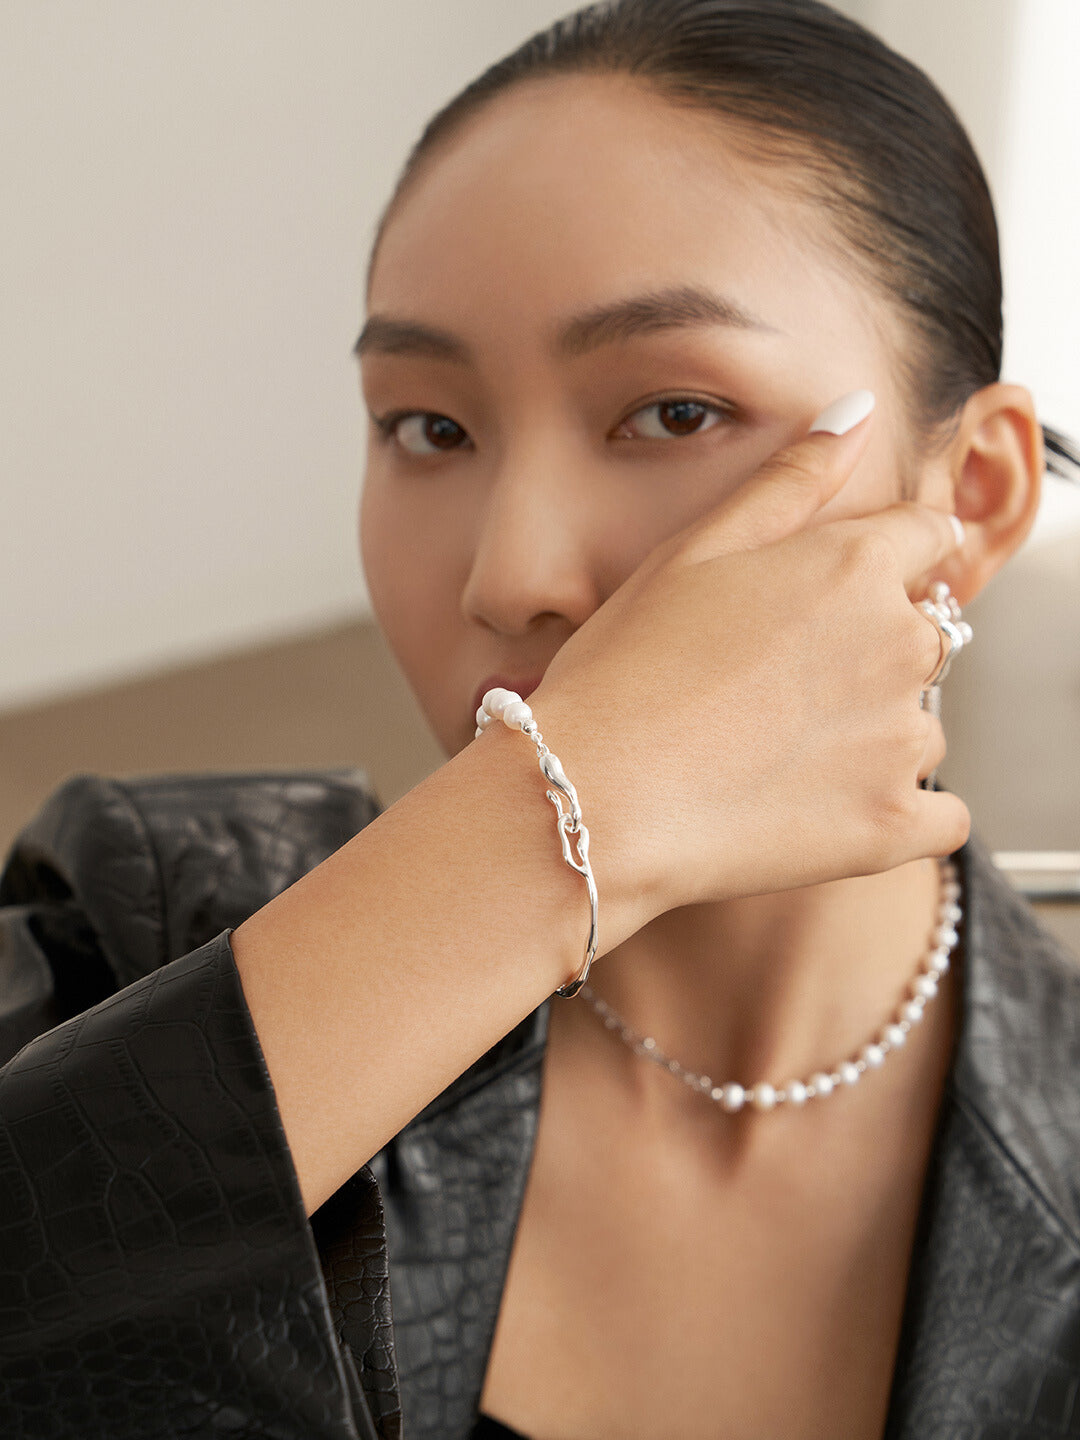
523, 685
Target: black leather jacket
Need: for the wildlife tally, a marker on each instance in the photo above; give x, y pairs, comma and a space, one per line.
159, 1277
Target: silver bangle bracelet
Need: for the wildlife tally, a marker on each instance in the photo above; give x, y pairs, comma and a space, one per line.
515, 714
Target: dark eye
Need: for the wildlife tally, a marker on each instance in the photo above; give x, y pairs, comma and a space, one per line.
425, 433
668, 419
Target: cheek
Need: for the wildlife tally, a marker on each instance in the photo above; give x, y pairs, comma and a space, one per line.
874, 485
377, 544
406, 573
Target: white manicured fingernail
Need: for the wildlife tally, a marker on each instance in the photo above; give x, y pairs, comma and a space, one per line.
958, 529
844, 414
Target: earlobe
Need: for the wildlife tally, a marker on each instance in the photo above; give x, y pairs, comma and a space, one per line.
996, 464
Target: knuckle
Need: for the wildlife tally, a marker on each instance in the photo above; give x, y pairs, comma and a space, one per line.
917, 729
800, 466
919, 644
927, 644
912, 510
961, 831
866, 555
891, 824
801, 475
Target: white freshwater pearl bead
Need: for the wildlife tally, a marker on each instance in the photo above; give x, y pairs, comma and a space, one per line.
495, 701
515, 714
483, 719
923, 987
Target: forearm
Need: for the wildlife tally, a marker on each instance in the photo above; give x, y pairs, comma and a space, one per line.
387, 971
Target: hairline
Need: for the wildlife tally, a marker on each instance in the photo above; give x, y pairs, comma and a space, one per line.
803, 160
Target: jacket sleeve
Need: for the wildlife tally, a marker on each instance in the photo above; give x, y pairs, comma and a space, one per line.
158, 1274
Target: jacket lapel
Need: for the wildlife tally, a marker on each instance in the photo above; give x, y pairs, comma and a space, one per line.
991, 1336
990, 1342
453, 1183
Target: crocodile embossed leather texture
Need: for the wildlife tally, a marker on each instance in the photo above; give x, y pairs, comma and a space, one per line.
165, 1281
159, 1277
452, 1183
991, 1342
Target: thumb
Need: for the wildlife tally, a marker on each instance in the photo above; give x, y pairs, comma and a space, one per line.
785, 494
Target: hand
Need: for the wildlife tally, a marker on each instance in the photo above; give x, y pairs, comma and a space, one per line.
742, 715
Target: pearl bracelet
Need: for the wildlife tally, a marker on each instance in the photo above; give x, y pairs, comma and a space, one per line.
511, 709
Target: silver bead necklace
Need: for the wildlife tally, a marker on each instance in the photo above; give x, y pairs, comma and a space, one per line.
892, 1036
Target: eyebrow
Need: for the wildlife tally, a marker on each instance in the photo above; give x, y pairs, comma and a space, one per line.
681, 307
387, 336
677, 308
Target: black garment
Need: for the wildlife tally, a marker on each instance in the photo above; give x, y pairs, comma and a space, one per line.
487, 1428
158, 1276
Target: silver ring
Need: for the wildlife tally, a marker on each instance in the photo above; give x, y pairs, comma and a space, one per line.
943, 612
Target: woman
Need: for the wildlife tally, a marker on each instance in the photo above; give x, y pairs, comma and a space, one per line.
621, 276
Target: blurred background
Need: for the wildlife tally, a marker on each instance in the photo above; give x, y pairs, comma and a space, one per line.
189, 190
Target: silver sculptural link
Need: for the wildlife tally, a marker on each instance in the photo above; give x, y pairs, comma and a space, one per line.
569, 824
506, 705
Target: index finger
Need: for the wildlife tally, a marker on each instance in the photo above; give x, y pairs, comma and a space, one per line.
920, 536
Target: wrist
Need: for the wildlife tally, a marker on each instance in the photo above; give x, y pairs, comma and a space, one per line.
619, 853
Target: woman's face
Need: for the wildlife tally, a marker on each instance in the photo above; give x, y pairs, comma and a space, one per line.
590, 319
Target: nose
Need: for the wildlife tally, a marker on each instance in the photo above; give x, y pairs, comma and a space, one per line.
535, 553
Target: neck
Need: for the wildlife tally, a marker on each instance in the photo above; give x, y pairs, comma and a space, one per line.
771, 987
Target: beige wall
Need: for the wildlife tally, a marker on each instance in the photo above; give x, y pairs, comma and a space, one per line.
188, 189
331, 699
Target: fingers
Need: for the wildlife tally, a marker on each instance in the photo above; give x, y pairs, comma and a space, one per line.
942, 819
934, 752
920, 537
943, 822
782, 496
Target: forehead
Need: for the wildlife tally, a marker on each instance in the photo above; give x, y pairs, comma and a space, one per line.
569, 192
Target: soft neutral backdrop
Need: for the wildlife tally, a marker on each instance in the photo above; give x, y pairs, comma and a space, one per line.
189, 187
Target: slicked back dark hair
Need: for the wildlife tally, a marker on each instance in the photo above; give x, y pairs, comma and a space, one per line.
870, 136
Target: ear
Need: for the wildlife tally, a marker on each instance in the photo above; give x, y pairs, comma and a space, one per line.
993, 468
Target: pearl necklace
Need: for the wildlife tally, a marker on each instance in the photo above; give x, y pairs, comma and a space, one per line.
763, 1096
